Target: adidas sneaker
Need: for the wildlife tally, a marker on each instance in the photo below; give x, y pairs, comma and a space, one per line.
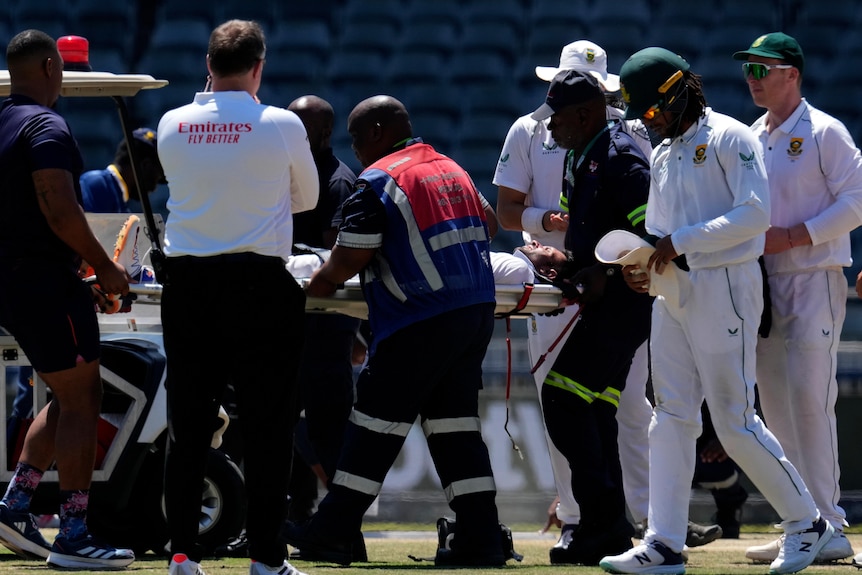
18, 532
87, 553
258, 568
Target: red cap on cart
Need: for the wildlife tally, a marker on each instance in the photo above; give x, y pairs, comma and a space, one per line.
75, 51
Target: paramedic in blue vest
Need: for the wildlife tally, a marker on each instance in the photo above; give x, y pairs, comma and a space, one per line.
416, 233
113, 190
606, 185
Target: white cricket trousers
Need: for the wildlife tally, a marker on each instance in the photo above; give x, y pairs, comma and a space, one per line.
706, 350
796, 367
633, 419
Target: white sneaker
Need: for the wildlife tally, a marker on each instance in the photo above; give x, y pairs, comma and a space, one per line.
655, 557
765, 553
182, 565
800, 549
857, 561
258, 568
837, 548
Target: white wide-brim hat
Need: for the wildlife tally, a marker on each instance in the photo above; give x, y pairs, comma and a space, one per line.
625, 248
583, 56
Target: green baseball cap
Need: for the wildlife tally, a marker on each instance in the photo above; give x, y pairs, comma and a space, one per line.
775, 45
646, 79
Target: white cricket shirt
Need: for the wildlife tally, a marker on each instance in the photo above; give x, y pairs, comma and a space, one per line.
238, 170
815, 176
708, 188
532, 163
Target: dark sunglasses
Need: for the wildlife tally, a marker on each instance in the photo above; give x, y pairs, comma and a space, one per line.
759, 71
665, 101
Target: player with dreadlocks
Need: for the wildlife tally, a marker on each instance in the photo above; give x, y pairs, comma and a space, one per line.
708, 200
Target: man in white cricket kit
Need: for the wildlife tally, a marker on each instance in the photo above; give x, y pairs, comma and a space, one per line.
709, 200
815, 184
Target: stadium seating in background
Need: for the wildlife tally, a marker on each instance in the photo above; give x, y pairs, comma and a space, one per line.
107, 26
264, 12
634, 12
183, 10
109, 60
509, 13
677, 36
361, 13
479, 66
619, 40
439, 34
53, 19
760, 14
379, 35
500, 36
416, 66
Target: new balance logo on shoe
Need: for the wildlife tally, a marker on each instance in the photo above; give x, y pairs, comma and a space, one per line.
643, 558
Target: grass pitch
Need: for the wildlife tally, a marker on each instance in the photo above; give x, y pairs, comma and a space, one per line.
388, 553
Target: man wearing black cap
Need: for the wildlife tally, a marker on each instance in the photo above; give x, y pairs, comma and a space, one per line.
605, 183
114, 190
815, 186
709, 200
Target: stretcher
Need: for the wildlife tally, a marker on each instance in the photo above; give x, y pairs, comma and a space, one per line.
512, 300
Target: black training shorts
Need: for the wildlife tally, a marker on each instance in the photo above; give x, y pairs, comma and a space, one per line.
50, 312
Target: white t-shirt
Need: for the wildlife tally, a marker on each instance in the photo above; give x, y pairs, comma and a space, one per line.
708, 188
238, 170
531, 162
815, 176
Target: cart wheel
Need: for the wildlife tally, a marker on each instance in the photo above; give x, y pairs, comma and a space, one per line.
143, 525
223, 502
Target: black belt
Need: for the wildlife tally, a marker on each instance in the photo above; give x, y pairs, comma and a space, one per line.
226, 259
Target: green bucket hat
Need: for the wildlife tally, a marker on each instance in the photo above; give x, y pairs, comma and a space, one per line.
775, 45
647, 77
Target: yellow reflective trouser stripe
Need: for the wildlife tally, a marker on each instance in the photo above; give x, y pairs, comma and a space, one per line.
380, 425
451, 425
637, 215
610, 394
356, 483
468, 486
557, 380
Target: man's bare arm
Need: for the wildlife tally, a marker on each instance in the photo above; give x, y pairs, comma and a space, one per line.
56, 194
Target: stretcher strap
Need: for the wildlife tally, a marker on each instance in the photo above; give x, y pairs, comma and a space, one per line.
572, 321
522, 303
509, 375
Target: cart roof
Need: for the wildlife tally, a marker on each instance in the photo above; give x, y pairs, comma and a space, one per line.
97, 83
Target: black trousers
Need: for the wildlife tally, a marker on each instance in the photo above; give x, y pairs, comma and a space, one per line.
594, 359
237, 319
326, 383
431, 369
